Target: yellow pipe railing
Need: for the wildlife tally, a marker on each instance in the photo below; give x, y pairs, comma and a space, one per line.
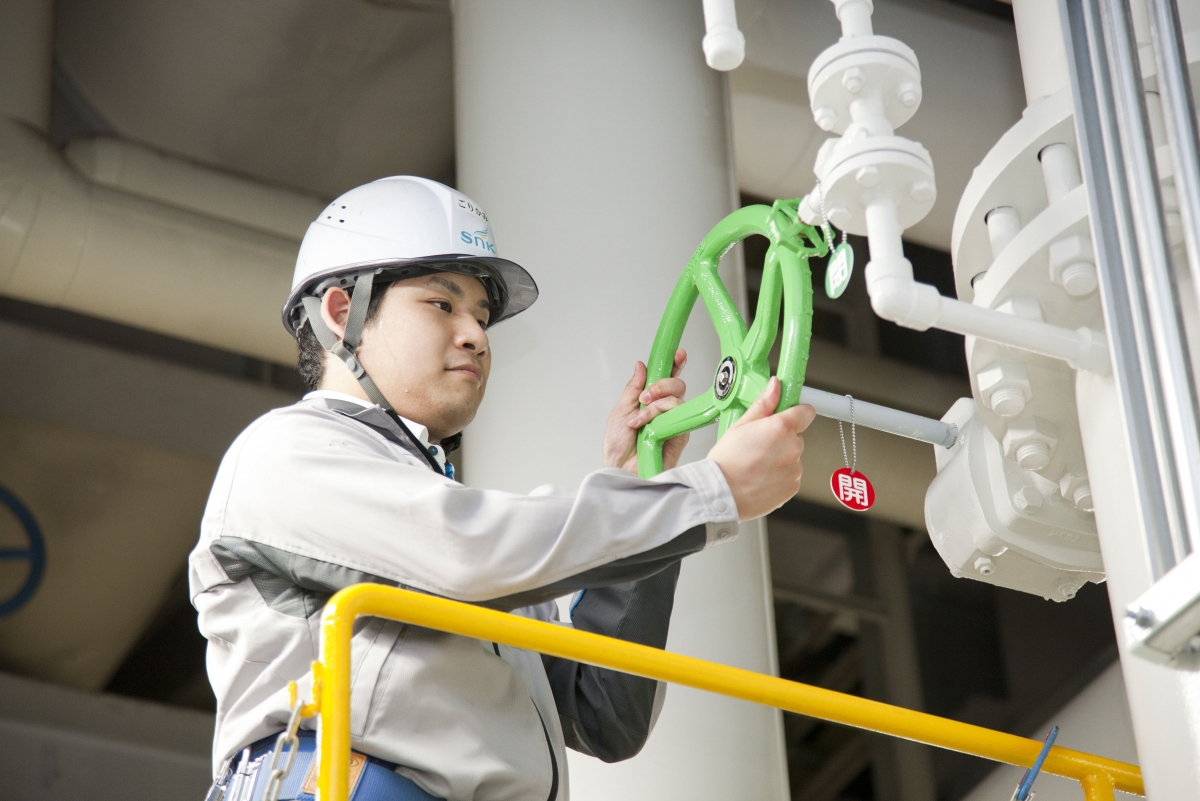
331, 688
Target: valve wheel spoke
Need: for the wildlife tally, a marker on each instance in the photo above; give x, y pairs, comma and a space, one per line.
744, 369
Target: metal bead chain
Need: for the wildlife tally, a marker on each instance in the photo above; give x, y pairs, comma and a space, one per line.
825, 219
853, 439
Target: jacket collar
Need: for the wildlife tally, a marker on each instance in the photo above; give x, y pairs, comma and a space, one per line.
374, 416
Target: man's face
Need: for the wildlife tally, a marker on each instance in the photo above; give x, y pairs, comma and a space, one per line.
427, 350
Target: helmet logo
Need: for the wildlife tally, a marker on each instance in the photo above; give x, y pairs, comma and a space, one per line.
479, 239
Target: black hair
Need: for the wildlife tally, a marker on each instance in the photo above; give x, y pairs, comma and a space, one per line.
312, 355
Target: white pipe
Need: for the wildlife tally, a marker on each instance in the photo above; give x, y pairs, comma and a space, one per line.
67, 242
897, 297
724, 45
880, 418
855, 16
1043, 51
140, 171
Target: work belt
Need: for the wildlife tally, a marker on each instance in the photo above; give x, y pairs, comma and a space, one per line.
244, 776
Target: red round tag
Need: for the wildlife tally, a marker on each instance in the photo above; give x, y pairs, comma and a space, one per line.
854, 490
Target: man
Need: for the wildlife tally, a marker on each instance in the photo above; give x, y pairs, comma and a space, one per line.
351, 484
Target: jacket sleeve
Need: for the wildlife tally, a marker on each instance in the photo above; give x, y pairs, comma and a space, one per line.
604, 713
317, 501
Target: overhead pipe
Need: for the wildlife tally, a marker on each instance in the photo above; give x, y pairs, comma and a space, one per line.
68, 242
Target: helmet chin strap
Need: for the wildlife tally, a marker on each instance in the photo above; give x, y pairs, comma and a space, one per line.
344, 349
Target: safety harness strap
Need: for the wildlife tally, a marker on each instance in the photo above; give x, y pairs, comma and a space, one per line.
360, 300
344, 349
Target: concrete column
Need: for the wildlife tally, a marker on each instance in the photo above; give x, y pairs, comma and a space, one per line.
597, 140
914, 768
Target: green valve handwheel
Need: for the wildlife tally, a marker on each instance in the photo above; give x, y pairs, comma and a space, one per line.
743, 371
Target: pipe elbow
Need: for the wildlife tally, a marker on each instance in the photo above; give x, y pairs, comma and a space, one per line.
903, 301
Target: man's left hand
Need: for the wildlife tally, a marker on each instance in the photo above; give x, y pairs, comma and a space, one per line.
639, 406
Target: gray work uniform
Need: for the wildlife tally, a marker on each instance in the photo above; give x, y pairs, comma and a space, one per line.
327, 493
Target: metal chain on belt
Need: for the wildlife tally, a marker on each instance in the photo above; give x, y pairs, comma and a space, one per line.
288, 738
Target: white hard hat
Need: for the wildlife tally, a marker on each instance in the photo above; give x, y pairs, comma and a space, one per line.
387, 230
403, 226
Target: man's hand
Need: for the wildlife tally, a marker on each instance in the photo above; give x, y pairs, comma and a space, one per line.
627, 417
760, 454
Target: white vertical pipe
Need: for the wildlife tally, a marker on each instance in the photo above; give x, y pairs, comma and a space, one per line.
1164, 700
600, 177
724, 45
1042, 48
855, 16
26, 53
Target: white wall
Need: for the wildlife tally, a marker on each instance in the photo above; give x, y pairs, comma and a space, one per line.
1096, 721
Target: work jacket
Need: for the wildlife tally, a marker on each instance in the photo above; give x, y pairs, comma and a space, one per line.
331, 492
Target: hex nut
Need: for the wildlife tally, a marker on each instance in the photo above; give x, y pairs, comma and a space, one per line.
1030, 442
922, 191
1028, 498
825, 118
985, 566
839, 216
1067, 588
909, 94
852, 80
1075, 488
1073, 265
867, 176
1004, 387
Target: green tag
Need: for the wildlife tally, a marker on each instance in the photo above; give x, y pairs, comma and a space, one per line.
839, 269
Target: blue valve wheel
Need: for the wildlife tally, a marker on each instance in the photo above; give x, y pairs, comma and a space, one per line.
34, 553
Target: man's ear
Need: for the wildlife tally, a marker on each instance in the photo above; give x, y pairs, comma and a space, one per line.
335, 309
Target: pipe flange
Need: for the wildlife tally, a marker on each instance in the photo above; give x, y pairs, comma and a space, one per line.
849, 69
853, 173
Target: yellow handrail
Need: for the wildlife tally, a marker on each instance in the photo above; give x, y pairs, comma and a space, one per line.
331, 688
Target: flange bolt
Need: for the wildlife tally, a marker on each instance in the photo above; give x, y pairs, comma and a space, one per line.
867, 176
985, 566
1033, 455
922, 191
1079, 279
909, 94
1008, 401
1083, 498
852, 80
1030, 442
825, 118
839, 216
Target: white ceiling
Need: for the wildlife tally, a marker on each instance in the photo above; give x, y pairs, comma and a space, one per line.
321, 96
